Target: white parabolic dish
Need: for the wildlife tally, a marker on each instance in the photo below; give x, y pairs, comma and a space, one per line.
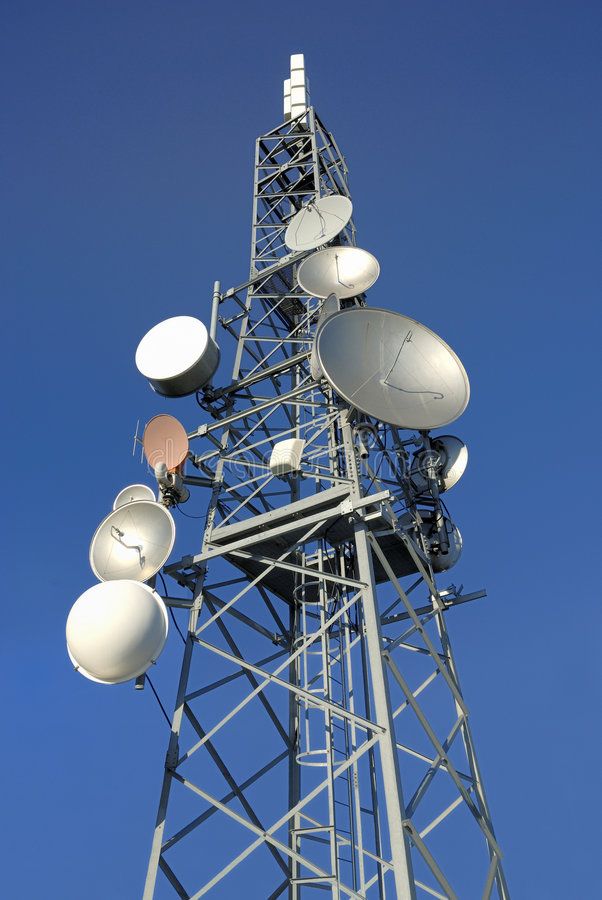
393, 368
178, 356
133, 541
133, 492
318, 222
116, 630
343, 271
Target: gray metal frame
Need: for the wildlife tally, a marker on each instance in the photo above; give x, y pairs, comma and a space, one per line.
317, 637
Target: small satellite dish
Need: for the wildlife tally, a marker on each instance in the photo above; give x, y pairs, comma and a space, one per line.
178, 356
116, 630
393, 368
442, 561
133, 542
318, 222
165, 441
329, 306
441, 557
131, 493
450, 458
343, 271
314, 366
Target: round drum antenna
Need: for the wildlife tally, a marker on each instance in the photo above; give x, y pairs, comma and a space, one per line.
116, 630
178, 356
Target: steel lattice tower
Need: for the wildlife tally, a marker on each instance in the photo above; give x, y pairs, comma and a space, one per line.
320, 738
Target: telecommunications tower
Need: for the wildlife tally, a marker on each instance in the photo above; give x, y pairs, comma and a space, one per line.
320, 738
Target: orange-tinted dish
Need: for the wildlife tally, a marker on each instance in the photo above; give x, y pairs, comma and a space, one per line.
165, 441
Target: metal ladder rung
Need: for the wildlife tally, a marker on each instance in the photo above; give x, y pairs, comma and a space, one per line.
313, 879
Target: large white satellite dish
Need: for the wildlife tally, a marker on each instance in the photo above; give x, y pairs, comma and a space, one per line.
116, 630
393, 368
449, 459
343, 271
318, 222
133, 542
178, 356
131, 493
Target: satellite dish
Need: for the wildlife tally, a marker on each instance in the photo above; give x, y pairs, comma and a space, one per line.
131, 493
329, 306
450, 458
116, 630
343, 271
178, 356
441, 558
314, 366
393, 368
133, 542
318, 222
165, 441
442, 561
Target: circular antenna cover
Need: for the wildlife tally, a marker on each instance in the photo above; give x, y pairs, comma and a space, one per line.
133, 542
133, 492
441, 562
343, 271
165, 441
116, 630
318, 222
393, 368
441, 559
450, 461
178, 356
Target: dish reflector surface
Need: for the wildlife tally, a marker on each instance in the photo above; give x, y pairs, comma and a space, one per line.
393, 368
116, 630
133, 542
440, 561
318, 222
452, 460
165, 441
344, 271
133, 492
178, 356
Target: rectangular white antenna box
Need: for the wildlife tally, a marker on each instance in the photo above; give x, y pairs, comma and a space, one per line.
286, 456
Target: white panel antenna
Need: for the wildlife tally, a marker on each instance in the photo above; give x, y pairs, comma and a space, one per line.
299, 87
286, 456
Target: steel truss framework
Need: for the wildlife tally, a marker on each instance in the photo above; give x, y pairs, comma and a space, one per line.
320, 738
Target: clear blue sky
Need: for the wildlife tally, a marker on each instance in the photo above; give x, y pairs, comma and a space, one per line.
473, 135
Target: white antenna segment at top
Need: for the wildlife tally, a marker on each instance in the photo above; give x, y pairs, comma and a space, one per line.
296, 89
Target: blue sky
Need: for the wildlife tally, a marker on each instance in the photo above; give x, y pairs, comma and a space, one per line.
473, 135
